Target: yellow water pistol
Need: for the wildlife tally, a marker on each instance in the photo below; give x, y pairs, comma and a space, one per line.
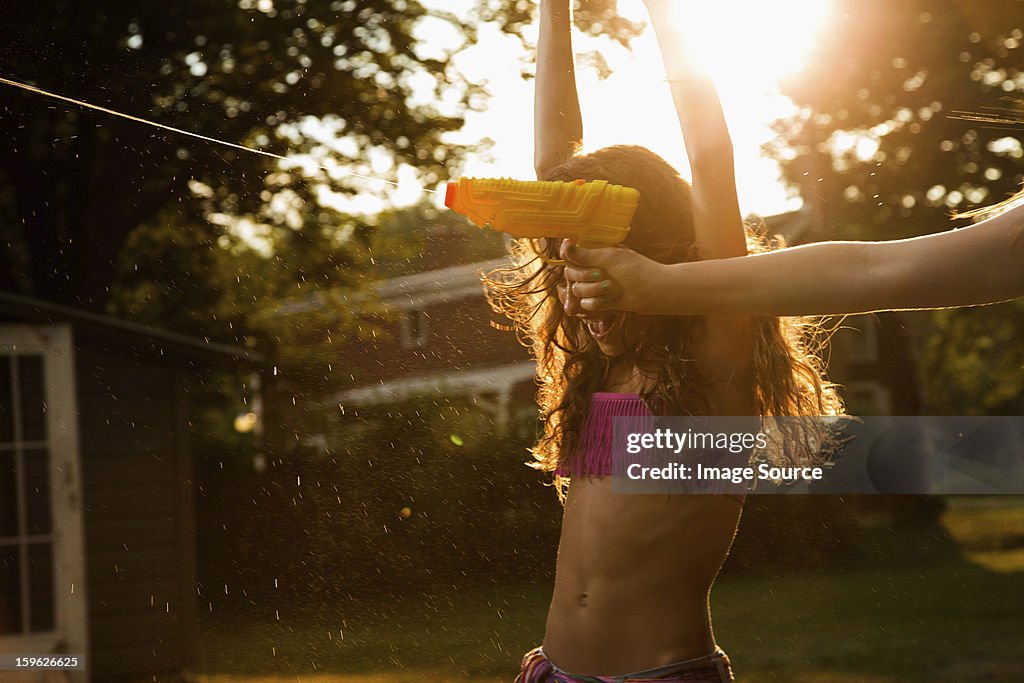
595, 213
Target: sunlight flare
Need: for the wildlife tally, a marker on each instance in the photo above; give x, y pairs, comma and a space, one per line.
751, 40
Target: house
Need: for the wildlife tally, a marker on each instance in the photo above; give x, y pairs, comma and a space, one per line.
445, 342
97, 529
441, 340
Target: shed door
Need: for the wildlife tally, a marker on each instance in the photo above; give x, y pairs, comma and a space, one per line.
42, 582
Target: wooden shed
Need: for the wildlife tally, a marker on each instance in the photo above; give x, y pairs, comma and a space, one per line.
97, 528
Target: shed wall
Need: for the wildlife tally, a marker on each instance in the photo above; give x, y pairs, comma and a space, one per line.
139, 519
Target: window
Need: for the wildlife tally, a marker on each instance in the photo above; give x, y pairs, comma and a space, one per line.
42, 568
415, 330
26, 525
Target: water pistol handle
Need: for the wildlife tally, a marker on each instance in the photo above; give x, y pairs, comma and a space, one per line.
594, 213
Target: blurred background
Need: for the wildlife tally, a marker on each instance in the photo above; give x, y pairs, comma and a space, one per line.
257, 422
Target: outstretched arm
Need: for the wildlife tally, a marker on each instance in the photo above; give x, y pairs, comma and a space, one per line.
558, 124
977, 265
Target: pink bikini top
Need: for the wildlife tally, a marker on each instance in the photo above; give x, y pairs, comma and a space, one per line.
595, 458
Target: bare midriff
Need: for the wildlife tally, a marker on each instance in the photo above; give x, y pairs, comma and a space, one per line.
633, 578
634, 572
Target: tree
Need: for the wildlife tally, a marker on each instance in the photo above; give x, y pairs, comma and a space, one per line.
346, 82
875, 141
115, 216
879, 151
82, 181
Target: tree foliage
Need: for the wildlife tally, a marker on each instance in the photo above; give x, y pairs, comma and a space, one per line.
235, 71
879, 151
351, 84
876, 143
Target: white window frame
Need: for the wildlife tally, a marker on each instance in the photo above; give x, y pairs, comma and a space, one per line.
54, 343
410, 341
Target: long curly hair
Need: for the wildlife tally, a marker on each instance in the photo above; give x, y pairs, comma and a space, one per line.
787, 368
994, 210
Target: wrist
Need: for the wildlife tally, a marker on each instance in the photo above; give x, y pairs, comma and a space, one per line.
686, 289
672, 287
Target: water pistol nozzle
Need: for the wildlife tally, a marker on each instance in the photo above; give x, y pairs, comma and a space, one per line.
594, 213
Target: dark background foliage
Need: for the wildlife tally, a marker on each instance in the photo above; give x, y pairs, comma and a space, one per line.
897, 74
76, 184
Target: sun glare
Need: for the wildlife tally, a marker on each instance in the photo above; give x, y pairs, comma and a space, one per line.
746, 46
751, 40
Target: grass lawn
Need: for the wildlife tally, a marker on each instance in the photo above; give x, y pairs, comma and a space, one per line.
934, 614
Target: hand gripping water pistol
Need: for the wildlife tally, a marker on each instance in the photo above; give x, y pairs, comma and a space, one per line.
594, 213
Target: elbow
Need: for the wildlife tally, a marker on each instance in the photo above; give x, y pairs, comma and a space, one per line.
541, 163
872, 264
879, 275
707, 155
543, 167
546, 161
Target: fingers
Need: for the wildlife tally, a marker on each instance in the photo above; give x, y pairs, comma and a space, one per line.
583, 297
580, 256
586, 289
593, 290
570, 302
565, 247
590, 283
578, 274
604, 303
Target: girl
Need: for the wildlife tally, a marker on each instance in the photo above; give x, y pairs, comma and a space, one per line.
634, 572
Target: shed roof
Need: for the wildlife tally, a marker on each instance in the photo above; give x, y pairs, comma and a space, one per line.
116, 335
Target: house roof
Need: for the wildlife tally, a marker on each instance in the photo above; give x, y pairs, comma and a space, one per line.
796, 227
407, 291
446, 284
477, 380
462, 281
114, 334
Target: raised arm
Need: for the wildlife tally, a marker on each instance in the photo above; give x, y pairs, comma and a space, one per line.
718, 227
558, 124
972, 266
717, 220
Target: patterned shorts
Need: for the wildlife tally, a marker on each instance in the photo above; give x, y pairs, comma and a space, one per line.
711, 668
